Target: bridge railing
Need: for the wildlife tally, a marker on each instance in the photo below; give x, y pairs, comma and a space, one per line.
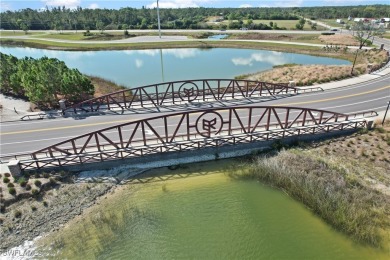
179, 92
189, 131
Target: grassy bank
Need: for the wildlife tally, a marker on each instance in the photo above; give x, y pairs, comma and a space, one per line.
104, 86
344, 181
306, 75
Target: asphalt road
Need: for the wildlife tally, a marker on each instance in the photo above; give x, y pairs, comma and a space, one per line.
25, 137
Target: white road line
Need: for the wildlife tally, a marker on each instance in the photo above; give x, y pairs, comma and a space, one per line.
351, 104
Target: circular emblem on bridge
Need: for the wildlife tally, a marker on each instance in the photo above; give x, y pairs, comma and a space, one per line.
188, 91
209, 124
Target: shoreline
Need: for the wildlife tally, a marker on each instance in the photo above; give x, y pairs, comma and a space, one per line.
72, 201
292, 47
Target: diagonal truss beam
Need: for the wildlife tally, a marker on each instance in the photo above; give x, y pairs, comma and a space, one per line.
178, 92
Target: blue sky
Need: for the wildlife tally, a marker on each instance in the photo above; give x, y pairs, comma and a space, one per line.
116, 4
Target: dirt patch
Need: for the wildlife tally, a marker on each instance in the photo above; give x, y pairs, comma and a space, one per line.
339, 39
49, 210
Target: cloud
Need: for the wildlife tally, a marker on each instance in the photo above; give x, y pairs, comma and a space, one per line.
4, 7
93, 6
139, 63
72, 4
245, 6
342, 2
182, 53
177, 53
274, 58
178, 3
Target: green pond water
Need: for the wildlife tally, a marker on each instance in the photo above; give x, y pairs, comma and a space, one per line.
205, 216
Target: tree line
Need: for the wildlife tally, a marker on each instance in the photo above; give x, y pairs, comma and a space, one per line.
43, 81
61, 18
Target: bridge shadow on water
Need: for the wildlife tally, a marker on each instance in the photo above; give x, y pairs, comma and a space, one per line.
152, 176
162, 174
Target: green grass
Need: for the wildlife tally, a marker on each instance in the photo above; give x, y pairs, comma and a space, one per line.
79, 36
17, 33
63, 36
151, 45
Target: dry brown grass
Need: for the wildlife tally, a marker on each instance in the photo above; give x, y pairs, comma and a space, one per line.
339, 39
306, 75
103, 86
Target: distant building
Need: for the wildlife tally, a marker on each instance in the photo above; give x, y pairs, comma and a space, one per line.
340, 21
358, 19
349, 18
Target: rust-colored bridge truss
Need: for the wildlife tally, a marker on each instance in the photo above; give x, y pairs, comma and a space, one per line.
190, 131
179, 92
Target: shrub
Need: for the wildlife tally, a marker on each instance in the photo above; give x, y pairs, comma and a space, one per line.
12, 191
7, 174
10, 185
17, 214
380, 130
45, 203
23, 183
37, 183
28, 187
33, 208
52, 181
6, 180
46, 175
34, 192
0, 175
327, 33
87, 33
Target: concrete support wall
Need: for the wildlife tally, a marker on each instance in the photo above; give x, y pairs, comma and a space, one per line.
205, 154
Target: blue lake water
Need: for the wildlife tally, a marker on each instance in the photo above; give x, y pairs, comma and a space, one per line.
133, 68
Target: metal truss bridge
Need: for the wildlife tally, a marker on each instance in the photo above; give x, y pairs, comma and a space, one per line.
183, 92
192, 130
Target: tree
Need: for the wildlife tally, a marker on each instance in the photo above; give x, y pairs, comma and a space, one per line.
363, 33
23, 26
42, 81
100, 26
300, 24
314, 26
125, 31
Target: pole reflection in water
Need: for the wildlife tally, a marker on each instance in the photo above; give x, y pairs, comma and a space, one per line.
162, 65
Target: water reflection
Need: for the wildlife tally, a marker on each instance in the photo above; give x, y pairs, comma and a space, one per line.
272, 57
134, 68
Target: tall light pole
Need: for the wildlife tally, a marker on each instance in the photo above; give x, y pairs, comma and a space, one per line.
158, 20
